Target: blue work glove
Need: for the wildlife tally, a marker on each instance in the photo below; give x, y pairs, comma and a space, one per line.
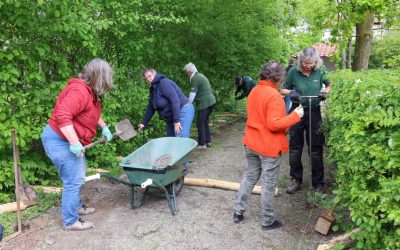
77, 149
295, 96
107, 133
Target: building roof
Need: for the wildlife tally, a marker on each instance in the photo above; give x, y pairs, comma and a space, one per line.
323, 49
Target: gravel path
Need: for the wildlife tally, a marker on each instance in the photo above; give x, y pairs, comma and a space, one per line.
204, 219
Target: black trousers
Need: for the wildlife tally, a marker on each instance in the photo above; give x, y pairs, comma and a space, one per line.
203, 119
296, 144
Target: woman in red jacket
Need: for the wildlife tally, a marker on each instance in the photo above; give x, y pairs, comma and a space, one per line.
72, 125
265, 142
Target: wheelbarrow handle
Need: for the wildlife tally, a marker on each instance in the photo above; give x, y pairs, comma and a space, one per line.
102, 140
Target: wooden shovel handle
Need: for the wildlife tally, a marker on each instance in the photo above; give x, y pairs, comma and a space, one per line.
102, 140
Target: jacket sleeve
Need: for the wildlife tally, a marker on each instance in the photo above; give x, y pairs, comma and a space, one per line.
68, 106
288, 83
276, 119
168, 90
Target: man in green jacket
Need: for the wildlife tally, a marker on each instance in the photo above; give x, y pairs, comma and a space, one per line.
244, 84
200, 91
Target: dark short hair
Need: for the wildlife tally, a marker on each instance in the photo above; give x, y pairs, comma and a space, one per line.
272, 71
292, 61
238, 79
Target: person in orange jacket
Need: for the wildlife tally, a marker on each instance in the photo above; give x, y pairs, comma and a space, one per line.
265, 142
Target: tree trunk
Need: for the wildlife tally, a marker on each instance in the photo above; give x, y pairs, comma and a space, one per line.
350, 49
363, 42
344, 58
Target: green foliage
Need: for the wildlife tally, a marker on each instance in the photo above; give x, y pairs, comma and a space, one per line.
363, 124
386, 52
45, 201
43, 43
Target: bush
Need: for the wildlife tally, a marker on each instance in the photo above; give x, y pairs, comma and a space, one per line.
363, 122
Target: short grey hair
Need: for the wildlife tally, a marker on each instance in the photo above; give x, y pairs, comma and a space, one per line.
309, 53
190, 67
98, 75
153, 71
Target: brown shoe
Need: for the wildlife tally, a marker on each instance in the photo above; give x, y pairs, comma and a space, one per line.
84, 210
79, 225
293, 187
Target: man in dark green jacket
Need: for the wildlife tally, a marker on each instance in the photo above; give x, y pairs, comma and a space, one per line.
200, 91
244, 84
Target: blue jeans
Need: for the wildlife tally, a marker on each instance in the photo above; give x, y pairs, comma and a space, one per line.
287, 104
72, 170
187, 115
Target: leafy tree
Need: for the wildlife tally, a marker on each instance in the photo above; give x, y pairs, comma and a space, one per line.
386, 52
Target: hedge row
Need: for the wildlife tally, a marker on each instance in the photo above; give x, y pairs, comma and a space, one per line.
363, 130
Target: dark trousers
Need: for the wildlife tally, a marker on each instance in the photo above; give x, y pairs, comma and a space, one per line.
203, 118
297, 142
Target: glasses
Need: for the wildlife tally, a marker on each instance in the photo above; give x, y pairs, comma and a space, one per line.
308, 64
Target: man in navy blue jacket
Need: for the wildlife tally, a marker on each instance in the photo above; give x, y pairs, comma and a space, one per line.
171, 104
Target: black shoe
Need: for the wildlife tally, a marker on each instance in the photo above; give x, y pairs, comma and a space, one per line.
275, 225
293, 187
237, 217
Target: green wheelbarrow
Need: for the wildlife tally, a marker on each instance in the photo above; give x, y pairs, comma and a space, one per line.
161, 165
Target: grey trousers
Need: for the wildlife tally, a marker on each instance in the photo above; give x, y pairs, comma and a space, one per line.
267, 170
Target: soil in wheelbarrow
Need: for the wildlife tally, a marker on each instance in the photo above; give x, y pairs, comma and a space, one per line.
204, 219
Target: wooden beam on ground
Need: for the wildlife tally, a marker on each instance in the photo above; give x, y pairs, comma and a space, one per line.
12, 206
344, 239
48, 189
213, 183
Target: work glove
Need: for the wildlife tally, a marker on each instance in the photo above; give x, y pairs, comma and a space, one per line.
77, 149
295, 96
322, 96
107, 133
300, 111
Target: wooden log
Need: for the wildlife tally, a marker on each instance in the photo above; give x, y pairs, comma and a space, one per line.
344, 239
49, 189
213, 183
12, 207
103, 171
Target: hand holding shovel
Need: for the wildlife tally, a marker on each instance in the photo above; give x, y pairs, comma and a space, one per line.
124, 130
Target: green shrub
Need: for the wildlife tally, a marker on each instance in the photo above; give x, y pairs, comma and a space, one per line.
363, 123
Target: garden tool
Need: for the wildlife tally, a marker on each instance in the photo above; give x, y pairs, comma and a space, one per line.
310, 191
124, 130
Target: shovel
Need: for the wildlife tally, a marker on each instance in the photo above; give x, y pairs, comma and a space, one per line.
124, 130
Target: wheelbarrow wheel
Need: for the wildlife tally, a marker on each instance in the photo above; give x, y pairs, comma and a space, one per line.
178, 186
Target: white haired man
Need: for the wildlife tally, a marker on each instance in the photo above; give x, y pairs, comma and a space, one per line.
200, 91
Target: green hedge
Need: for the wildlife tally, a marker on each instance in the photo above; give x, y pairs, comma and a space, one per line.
363, 124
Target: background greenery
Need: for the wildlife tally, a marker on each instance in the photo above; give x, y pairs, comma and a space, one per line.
363, 130
46, 42
43, 43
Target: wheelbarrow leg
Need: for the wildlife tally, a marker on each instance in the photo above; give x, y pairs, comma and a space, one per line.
172, 200
170, 197
137, 200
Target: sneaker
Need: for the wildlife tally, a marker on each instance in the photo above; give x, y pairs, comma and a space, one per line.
209, 144
237, 217
79, 225
293, 187
202, 147
84, 210
275, 225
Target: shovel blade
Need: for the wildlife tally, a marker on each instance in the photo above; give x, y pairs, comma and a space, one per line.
125, 130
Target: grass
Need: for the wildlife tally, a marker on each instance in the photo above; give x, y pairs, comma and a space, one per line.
45, 201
